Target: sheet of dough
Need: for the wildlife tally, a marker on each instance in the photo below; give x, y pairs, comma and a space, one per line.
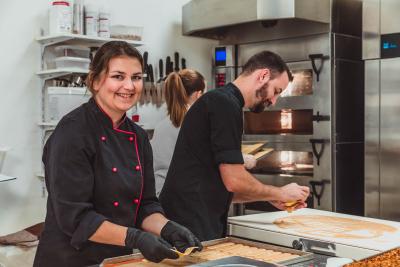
358, 231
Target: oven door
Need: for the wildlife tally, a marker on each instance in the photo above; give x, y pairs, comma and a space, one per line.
298, 130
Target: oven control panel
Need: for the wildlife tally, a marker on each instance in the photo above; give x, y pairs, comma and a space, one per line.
390, 45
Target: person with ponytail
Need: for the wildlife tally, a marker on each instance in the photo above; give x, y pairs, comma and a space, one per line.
182, 89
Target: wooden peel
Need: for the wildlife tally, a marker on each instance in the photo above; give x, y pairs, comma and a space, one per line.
262, 153
250, 149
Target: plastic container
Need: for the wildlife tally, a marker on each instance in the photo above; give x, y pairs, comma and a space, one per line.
91, 19
62, 100
126, 32
77, 25
104, 22
72, 62
72, 51
3, 152
60, 18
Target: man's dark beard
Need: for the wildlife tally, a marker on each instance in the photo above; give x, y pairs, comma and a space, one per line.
258, 108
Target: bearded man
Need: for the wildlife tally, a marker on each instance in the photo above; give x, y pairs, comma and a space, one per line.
207, 172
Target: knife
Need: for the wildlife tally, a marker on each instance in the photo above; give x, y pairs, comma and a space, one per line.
145, 66
167, 65
160, 68
176, 61
183, 63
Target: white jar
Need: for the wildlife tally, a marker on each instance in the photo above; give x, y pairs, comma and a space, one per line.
91, 20
77, 26
60, 17
104, 23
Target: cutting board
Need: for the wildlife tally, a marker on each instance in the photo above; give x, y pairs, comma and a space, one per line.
363, 232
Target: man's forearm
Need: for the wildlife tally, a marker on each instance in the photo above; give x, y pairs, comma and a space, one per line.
247, 188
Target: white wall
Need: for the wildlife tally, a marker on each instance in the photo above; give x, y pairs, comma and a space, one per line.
21, 200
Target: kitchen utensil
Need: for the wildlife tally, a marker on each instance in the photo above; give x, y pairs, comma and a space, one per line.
187, 252
149, 88
251, 149
183, 63
176, 55
167, 66
161, 70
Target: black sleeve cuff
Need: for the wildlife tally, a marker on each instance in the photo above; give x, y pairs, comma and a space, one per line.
86, 228
146, 210
229, 157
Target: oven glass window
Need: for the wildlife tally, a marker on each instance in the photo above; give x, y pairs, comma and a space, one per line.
301, 84
286, 163
285, 121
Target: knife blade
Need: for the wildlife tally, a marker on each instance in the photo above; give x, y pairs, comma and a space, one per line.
160, 68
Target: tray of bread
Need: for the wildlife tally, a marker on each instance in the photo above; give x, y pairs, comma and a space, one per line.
389, 258
219, 249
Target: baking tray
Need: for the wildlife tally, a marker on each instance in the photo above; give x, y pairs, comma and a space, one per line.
134, 259
236, 261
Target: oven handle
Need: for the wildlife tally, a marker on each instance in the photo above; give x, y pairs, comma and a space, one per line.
319, 117
314, 57
318, 193
318, 154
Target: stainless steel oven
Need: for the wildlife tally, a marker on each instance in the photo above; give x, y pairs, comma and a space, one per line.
316, 127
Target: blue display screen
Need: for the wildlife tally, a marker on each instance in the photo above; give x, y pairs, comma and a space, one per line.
220, 55
387, 45
390, 45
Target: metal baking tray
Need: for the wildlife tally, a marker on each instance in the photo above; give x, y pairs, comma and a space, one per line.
124, 261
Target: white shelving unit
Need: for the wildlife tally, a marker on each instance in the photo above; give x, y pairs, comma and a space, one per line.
46, 75
78, 39
55, 73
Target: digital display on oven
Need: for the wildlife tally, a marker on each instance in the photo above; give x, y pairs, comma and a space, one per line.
220, 56
390, 45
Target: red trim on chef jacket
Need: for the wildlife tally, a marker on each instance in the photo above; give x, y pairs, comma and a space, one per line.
137, 154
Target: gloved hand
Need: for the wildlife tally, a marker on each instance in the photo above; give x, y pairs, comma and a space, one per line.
180, 237
249, 161
152, 247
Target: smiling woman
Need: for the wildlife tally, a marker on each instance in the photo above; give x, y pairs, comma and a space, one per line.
100, 178
115, 79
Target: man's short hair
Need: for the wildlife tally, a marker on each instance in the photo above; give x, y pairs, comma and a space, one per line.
266, 60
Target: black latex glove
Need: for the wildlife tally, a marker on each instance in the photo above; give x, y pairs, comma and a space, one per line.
180, 237
152, 247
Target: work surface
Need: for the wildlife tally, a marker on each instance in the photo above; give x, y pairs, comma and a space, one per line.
369, 233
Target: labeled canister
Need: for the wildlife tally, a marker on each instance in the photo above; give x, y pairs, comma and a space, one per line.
91, 20
104, 23
60, 18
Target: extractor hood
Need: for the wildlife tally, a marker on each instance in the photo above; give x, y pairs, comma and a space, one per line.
211, 18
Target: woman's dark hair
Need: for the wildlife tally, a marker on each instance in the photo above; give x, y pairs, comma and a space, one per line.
103, 56
179, 86
269, 60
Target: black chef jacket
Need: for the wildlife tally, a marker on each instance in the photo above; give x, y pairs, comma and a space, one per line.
94, 173
194, 194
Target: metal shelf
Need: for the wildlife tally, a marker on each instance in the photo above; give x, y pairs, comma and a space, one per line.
48, 123
40, 175
78, 39
54, 73
5, 178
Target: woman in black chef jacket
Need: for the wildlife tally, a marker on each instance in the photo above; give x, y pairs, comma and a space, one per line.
99, 175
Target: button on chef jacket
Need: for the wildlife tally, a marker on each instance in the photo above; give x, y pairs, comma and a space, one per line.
94, 173
194, 194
